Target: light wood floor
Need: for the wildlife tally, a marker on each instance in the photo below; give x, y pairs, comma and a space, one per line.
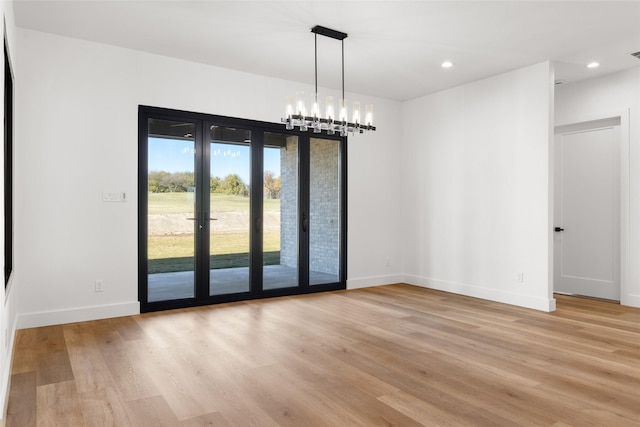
388, 356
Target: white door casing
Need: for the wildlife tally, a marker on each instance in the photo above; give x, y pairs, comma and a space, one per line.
587, 193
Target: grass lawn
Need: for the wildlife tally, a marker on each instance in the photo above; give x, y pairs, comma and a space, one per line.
160, 247
175, 253
168, 203
170, 265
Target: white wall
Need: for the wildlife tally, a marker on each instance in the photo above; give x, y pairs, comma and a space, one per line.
7, 297
476, 208
613, 94
77, 106
374, 254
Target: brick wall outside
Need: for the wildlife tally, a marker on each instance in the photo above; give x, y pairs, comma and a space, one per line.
324, 215
289, 203
324, 221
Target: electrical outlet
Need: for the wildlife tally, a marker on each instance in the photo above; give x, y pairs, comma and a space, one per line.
99, 286
520, 277
388, 262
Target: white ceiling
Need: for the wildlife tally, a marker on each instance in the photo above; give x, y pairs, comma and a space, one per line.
394, 49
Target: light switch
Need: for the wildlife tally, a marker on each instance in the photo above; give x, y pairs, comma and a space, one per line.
114, 196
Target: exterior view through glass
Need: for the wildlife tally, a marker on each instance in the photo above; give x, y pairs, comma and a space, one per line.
324, 211
171, 216
280, 211
229, 220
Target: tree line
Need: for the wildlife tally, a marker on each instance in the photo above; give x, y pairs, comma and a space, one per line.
232, 184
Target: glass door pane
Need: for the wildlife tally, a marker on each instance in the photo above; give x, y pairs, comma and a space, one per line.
324, 211
280, 211
171, 210
229, 228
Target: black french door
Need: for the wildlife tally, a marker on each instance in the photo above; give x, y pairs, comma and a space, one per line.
232, 209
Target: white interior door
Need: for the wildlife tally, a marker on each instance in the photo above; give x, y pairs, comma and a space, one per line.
587, 213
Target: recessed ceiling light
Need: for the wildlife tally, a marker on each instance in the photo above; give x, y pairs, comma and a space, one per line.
593, 65
447, 64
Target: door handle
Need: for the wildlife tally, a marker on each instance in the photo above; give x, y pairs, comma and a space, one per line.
558, 229
305, 222
258, 224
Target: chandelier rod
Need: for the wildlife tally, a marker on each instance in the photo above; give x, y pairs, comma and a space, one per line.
342, 43
315, 40
337, 35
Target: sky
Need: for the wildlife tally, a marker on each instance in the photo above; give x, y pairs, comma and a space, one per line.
173, 155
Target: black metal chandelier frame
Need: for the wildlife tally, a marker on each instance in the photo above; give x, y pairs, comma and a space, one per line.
315, 122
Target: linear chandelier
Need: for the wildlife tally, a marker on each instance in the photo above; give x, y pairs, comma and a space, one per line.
298, 115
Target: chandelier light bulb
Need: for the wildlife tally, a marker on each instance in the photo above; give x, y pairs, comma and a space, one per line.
343, 110
330, 114
301, 110
289, 107
315, 109
289, 112
356, 112
368, 115
300, 107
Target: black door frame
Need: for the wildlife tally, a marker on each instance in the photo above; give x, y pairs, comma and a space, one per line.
258, 129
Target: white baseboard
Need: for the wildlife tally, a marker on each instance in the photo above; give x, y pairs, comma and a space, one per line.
82, 314
527, 301
366, 282
630, 300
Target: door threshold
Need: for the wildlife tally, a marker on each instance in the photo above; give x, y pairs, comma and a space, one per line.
587, 297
